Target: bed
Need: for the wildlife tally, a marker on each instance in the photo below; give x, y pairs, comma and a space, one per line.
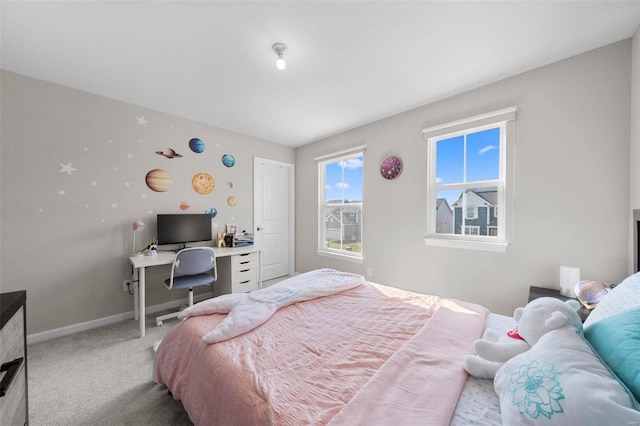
370, 354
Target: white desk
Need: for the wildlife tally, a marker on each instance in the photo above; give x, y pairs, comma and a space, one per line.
140, 263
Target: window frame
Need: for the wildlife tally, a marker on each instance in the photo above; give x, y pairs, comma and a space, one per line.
322, 161
474, 213
505, 119
468, 228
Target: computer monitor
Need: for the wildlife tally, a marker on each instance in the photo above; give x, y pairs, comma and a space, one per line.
183, 228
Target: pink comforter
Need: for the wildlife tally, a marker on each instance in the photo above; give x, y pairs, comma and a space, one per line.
370, 355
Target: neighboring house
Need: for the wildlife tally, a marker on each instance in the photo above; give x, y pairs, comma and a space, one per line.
480, 215
343, 224
444, 217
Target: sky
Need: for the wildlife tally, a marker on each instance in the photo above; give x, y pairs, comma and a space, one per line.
482, 160
344, 180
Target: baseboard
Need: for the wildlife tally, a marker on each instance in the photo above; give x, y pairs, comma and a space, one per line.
76, 328
100, 322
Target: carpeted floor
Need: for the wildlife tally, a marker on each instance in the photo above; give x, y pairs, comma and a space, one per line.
100, 377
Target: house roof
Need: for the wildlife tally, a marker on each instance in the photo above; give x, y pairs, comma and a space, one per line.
441, 201
490, 196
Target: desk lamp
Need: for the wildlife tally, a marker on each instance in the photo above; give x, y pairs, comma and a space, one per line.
138, 225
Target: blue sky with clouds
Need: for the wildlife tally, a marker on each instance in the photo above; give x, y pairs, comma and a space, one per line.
482, 160
344, 180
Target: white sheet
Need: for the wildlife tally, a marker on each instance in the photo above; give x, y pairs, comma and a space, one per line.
479, 404
247, 311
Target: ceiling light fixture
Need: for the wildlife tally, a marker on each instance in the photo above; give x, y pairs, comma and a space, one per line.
280, 50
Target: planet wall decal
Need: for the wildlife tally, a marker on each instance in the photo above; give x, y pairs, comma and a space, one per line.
228, 160
185, 205
196, 145
203, 183
159, 180
169, 153
212, 212
232, 201
229, 184
391, 167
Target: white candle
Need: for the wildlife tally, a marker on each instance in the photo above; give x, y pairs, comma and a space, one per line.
569, 277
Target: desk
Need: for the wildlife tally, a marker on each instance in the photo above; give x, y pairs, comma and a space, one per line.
230, 278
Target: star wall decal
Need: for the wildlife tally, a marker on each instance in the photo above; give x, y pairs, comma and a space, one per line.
142, 121
62, 192
67, 168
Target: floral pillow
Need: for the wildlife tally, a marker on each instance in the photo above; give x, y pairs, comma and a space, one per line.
560, 381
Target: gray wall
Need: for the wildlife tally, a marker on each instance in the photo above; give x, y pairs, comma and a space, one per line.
69, 251
572, 186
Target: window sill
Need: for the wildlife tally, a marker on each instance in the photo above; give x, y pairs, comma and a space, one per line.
340, 256
499, 247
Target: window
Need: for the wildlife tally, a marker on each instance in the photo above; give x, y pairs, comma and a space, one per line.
472, 230
470, 166
472, 212
340, 180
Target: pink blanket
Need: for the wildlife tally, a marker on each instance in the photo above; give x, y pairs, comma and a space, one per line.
421, 383
318, 361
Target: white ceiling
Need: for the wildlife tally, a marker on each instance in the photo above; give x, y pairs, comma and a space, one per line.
348, 63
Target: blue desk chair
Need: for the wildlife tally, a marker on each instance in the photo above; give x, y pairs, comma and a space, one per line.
192, 267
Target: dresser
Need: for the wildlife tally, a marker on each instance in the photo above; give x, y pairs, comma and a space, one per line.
13, 359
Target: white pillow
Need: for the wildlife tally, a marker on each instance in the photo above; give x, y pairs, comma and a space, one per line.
560, 381
622, 297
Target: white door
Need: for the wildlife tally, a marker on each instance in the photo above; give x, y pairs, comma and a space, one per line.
273, 211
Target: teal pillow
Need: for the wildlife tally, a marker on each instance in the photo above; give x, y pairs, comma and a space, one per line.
616, 339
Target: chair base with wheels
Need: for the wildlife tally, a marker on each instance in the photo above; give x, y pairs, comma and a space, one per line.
192, 267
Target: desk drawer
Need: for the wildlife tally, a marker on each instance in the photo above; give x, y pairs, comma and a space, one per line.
243, 259
249, 265
244, 275
244, 286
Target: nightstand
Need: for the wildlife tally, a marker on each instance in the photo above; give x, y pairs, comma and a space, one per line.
536, 292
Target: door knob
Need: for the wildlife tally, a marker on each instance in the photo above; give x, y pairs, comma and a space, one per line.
259, 229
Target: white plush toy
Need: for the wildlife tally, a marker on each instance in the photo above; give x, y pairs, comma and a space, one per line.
534, 320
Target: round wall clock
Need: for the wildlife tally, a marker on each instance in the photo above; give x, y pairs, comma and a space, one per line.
391, 167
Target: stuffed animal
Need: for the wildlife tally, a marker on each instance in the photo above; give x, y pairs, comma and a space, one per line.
534, 320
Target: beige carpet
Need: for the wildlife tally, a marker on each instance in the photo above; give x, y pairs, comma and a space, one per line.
100, 377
